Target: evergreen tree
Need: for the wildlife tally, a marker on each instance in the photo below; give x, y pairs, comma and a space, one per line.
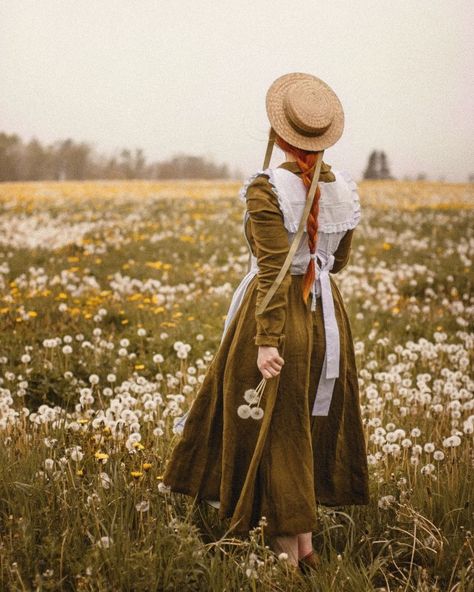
371, 172
384, 172
377, 166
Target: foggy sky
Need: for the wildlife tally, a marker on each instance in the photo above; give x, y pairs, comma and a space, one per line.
191, 76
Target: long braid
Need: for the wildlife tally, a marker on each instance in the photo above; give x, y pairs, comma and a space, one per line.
306, 161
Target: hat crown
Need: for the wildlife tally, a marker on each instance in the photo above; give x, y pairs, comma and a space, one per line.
304, 111
308, 107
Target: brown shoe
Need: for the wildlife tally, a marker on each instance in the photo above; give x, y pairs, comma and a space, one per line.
309, 562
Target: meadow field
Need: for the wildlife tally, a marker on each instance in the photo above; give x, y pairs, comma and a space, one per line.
112, 303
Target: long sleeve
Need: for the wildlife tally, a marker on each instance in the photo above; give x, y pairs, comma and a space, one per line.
343, 252
270, 239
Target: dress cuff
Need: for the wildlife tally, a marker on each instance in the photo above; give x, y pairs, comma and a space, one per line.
269, 340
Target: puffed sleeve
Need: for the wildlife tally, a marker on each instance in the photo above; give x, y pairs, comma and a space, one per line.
343, 251
270, 239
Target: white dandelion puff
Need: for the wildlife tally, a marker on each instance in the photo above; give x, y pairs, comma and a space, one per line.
142, 506
162, 488
252, 396
243, 411
104, 542
386, 502
256, 413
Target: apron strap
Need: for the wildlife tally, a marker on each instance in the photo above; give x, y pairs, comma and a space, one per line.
299, 233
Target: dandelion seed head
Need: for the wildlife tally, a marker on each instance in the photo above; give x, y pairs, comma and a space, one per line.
243, 411
256, 413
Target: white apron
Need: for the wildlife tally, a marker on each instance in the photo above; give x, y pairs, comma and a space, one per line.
339, 211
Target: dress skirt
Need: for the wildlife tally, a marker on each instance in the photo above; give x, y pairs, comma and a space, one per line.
284, 464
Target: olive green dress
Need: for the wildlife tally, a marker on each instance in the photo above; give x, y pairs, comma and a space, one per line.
282, 465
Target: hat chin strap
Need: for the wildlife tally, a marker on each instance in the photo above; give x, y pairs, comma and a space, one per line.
299, 233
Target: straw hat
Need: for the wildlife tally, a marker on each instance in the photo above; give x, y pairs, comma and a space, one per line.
305, 111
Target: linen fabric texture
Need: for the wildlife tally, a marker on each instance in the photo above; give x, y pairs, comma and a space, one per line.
283, 465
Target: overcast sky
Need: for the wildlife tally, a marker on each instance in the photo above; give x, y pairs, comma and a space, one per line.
181, 75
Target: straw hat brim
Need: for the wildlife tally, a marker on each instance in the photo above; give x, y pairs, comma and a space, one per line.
279, 121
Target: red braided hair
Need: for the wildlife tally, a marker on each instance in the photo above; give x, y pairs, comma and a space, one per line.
306, 161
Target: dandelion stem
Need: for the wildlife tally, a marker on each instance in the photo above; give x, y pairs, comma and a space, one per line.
260, 388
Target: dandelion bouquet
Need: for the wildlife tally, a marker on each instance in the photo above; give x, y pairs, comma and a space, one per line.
252, 397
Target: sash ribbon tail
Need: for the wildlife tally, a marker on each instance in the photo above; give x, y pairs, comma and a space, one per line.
330, 369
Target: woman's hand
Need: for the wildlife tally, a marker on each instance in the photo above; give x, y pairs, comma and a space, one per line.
269, 361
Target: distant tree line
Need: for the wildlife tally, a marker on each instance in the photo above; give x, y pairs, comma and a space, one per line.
66, 159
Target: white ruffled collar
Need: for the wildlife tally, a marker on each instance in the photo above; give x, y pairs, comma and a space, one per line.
339, 203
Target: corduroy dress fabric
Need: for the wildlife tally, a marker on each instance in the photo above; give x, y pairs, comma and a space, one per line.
280, 466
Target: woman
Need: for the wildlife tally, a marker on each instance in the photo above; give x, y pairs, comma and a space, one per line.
309, 446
